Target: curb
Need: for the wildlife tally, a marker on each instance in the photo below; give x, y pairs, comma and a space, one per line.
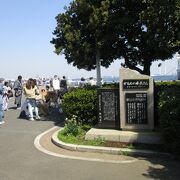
42, 149
107, 150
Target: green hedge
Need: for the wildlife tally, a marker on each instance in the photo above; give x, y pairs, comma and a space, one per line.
81, 102
168, 114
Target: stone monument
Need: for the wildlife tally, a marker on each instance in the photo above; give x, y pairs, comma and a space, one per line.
136, 111
108, 108
136, 100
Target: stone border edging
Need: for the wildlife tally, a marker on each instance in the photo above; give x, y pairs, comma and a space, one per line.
108, 150
42, 149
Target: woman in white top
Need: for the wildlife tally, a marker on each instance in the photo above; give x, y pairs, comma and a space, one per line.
6, 89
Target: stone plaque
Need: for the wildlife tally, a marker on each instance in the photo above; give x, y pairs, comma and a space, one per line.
136, 84
136, 108
136, 100
108, 108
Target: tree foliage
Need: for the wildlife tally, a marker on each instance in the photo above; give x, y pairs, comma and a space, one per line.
148, 31
140, 31
82, 31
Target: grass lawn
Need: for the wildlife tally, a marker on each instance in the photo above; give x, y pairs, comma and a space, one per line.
80, 140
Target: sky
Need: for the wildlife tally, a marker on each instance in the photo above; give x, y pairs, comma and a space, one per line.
26, 28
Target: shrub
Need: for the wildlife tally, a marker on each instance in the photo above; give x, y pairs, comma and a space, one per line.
112, 85
89, 87
83, 104
168, 94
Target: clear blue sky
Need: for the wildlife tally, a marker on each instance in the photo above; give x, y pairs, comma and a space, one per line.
26, 28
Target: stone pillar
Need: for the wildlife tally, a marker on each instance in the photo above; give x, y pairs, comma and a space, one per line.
136, 100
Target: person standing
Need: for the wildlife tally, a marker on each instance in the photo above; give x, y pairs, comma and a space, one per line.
18, 87
31, 91
92, 82
56, 84
6, 90
82, 82
1, 103
63, 85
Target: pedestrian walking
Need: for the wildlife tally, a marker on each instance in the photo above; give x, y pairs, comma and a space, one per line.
18, 88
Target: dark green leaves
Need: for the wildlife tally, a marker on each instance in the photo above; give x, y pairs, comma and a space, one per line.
140, 31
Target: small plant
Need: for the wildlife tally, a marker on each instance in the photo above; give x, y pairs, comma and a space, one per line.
125, 153
131, 146
71, 126
86, 127
74, 133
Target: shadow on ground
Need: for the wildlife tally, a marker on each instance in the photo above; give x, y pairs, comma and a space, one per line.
13, 107
163, 169
55, 114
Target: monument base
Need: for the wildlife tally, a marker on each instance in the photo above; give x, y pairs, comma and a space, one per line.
124, 136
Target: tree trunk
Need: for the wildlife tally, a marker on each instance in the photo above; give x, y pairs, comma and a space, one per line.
146, 69
98, 68
130, 66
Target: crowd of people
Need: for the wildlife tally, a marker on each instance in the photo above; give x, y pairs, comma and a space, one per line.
36, 97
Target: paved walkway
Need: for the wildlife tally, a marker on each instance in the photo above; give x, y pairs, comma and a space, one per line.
20, 160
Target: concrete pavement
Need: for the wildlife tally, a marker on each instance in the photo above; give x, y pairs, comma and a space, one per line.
20, 160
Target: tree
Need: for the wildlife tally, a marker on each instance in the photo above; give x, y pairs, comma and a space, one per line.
148, 31
140, 31
82, 34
